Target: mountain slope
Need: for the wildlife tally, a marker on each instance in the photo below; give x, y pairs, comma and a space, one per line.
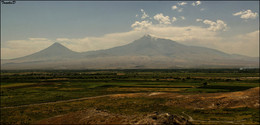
146, 52
54, 52
150, 46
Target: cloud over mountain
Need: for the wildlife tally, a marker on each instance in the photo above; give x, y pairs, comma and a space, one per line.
196, 3
247, 14
219, 25
174, 19
182, 3
162, 19
141, 25
144, 15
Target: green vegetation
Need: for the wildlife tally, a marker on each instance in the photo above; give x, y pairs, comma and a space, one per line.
32, 87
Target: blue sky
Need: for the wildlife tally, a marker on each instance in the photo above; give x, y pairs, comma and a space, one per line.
28, 27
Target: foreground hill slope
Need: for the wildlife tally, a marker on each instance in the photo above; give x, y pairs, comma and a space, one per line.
206, 101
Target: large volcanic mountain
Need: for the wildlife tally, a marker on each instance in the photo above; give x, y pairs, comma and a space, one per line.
146, 52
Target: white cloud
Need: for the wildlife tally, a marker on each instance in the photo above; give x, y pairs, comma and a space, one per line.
248, 14
245, 44
180, 9
18, 48
199, 20
181, 34
177, 8
174, 19
174, 7
183, 18
141, 25
144, 14
104, 42
62, 39
162, 19
37, 39
198, 3
219, 25
182, 3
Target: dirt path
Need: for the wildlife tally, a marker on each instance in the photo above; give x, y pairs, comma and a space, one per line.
72, 100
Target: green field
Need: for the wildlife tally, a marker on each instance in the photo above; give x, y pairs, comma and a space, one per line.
33, 87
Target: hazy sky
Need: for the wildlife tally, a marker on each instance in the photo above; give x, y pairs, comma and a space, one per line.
28, 27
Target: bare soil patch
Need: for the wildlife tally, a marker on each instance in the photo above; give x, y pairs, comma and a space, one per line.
247, 98
95, 116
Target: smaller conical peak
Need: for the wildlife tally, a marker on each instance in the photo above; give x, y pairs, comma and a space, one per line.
56, 44
57, 48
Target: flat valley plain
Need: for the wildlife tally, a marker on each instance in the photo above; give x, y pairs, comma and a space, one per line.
177, 96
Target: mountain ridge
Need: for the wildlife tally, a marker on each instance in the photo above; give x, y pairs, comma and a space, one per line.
146, 52
56, 50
